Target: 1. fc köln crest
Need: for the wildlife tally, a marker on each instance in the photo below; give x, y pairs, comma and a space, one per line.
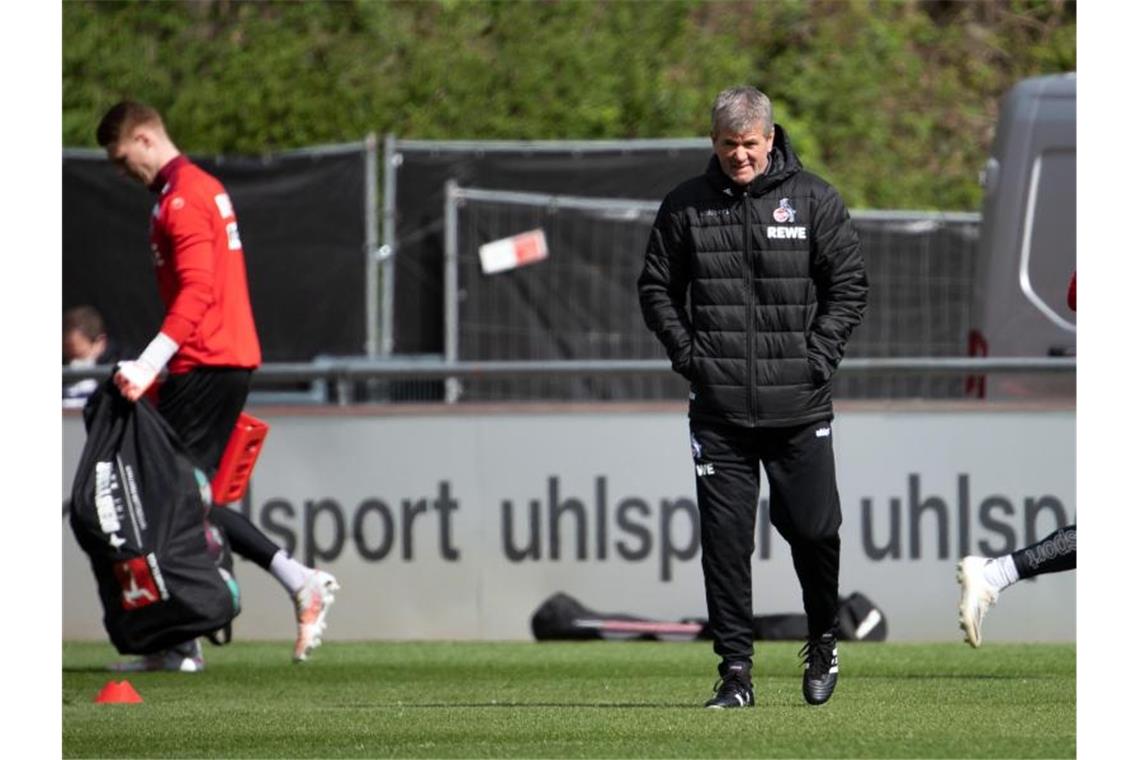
785, 213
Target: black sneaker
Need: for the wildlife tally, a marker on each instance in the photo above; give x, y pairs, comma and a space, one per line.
821, 668
734, 689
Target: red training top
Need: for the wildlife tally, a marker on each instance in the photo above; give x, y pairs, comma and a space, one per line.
201, 271
1073, 292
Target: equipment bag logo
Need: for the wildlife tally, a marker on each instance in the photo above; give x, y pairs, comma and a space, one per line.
138, 583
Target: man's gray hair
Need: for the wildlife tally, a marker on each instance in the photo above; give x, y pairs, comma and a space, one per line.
738, 109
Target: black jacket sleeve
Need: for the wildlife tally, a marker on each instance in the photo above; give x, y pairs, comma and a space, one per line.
840, 283
662, 287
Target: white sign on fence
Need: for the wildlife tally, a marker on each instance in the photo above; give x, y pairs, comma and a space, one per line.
509, 253
459, 526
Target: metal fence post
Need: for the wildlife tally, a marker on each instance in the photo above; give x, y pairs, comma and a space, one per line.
387, 252
451, 285
371, 241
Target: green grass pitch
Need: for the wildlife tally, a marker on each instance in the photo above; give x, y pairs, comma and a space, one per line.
595, 699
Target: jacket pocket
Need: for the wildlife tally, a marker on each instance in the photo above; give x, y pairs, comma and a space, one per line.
810, 372
819, 369
683, 362
689, 365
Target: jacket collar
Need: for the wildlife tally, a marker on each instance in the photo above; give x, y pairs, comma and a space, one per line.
167, 172
782, 163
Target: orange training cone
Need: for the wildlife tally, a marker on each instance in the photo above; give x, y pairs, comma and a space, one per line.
118, 692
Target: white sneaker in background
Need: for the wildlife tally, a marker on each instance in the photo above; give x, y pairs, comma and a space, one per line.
978, 595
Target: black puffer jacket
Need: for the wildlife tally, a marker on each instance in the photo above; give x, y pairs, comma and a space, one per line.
770, 313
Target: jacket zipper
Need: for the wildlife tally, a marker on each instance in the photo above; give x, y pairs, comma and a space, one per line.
750, 316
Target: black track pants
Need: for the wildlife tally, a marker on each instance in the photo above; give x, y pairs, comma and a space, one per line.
202, 406
804, 507
1053, 554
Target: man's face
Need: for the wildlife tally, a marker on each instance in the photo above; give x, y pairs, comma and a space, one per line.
132, 156
743, 155
76, 345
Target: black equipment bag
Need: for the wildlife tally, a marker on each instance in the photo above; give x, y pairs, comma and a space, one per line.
140, 510
860, 619
564, 618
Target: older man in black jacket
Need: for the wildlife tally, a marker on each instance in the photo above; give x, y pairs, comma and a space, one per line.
771, 265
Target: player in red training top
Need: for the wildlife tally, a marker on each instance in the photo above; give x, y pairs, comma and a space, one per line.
207, 343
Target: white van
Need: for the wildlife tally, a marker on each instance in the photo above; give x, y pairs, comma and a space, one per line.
1028, 242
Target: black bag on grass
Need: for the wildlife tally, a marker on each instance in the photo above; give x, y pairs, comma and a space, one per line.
860, 619
562, 617
140, 511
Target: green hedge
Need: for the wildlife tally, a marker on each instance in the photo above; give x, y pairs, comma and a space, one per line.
894, 102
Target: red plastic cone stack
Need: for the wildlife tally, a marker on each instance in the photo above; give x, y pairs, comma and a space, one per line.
118, 692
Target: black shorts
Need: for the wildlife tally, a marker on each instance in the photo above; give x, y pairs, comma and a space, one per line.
202, 406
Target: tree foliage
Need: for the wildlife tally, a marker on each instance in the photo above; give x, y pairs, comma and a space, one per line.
894, 102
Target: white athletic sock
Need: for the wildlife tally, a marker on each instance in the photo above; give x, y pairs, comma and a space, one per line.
1001, 573
288, 571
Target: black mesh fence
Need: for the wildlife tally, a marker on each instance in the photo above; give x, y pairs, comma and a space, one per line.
625, 169
921, 273
581, 302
